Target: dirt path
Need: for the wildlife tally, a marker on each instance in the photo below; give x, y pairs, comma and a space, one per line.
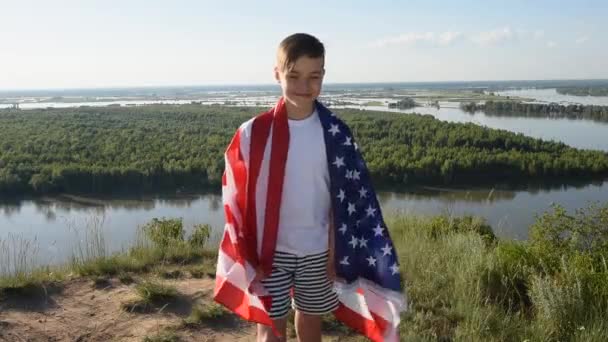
83, 310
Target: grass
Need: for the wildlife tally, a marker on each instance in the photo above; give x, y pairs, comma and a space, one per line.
164, 336
151, 294
126, 278
205, 313
18, 256
464, 285
19, 275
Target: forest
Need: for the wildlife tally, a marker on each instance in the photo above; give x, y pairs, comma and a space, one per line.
180, 148
542, 110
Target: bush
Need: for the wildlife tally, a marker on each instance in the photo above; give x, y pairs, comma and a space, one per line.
443, 224
162, 232
505, 280
200, 235
557, 234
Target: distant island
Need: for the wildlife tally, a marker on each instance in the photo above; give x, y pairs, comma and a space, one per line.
544, 110
583, 91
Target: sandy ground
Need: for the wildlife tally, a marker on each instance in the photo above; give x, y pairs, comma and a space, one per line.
82, 310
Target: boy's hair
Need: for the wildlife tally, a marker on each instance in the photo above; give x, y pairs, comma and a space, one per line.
296, 46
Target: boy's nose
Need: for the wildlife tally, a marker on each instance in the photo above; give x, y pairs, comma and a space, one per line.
302, 86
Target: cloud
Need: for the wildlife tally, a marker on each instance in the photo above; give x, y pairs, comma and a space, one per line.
539, 34
493, 37
411, 38
405, 39
484, 38
448, 37
523, 34
582, 39
551, 44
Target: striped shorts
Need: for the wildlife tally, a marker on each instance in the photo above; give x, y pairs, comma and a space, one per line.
313, 292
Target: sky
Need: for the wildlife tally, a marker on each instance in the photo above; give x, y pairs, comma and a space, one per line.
88, 43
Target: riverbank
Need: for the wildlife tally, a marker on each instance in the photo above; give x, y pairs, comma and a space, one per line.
464, 284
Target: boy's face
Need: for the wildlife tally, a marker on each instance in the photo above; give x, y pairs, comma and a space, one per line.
302, 83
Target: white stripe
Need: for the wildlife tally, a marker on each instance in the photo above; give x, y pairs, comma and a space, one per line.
238, 275
229, 192
262, 191
385, 303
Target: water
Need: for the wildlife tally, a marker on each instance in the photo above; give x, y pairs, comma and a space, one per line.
551, 95
58, 222
584, 134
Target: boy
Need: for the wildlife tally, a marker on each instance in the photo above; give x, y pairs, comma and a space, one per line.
292, 174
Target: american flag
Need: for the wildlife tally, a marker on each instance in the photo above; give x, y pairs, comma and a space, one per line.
368, 280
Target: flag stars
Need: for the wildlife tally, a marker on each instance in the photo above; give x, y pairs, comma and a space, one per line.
394, 269
363, 242
378, 230
348, 141
356, 174
387, 250
342, 228
371, 261
339, 162
353, 241
349, 174
362, 192
341, 195
370, 211
344, 261
351, 208
334, 130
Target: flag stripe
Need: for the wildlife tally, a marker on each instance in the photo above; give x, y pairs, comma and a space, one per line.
367, 327
261, 130
278, 160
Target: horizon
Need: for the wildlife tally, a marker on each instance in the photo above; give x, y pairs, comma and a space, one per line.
112, 44
172, 86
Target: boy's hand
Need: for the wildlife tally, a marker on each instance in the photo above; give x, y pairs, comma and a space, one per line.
259, 274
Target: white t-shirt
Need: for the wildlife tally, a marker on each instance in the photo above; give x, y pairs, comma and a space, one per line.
304, 216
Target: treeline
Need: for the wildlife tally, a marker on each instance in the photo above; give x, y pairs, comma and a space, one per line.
544, 110
405, 103
167, 147
583, 91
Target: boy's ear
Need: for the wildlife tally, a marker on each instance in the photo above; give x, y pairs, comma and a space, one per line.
277, 75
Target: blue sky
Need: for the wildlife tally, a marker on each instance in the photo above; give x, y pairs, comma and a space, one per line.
69, 44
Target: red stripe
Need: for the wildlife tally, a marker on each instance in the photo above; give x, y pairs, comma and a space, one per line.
260, 131
372, 329
278, 159
228, 248
237, 301
239, 173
